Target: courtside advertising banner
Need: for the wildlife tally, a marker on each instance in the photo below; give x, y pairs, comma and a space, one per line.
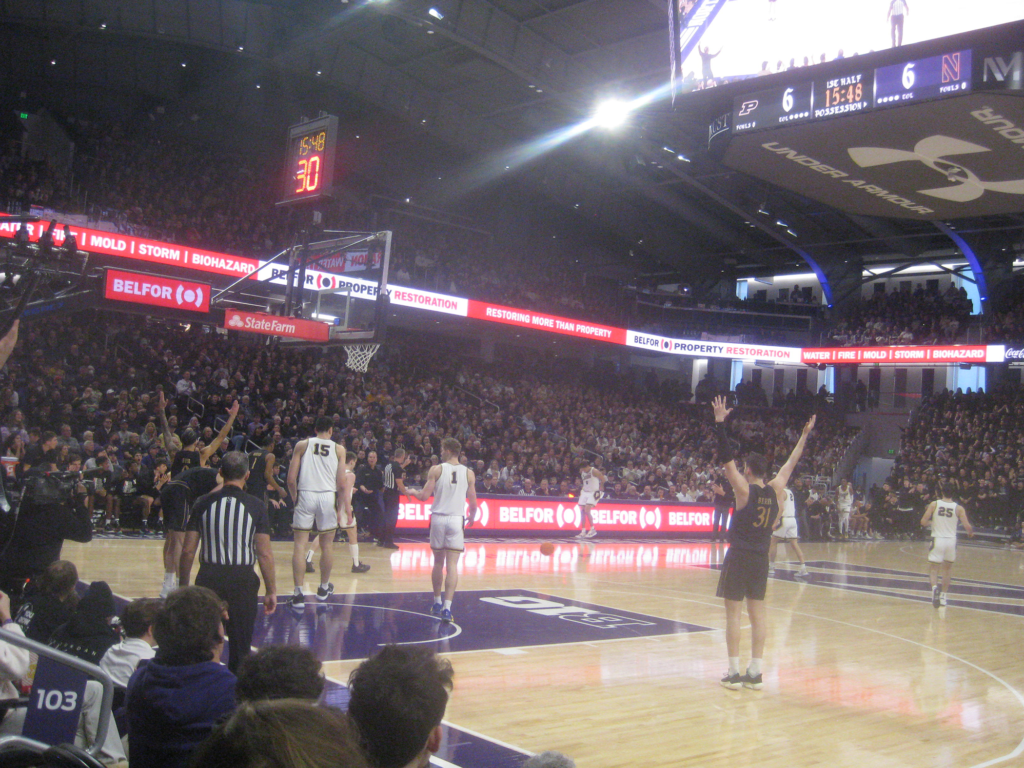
154, 252
273, 325
547, 514
156, 291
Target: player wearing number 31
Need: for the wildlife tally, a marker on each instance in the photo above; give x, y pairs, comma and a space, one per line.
452, 484
745, 568
943, 515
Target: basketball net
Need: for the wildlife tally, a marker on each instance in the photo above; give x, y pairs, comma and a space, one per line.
358, 355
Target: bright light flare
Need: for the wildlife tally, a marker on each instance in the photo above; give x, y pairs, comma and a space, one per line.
611, 113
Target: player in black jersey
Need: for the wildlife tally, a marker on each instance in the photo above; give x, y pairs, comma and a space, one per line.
745, 568
176, 499
184, 458
262, 464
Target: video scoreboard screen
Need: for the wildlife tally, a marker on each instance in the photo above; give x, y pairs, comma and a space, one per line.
855, 90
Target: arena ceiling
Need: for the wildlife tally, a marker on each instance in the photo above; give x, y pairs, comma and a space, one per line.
486, 93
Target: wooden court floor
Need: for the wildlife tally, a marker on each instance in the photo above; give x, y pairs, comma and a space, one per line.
860, 669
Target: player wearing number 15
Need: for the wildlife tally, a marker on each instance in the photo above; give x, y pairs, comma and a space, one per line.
315, 475
452, 484
943, 515
745, 568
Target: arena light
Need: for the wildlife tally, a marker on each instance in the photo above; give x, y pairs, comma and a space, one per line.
435, 13
611, 114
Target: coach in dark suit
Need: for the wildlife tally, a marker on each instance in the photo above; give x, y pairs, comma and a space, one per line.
235, 531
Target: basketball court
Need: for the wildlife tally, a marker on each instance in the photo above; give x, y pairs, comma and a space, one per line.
611, 651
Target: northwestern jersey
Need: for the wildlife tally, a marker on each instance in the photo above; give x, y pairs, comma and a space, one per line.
450, 490
944, 520
751, 527
257, 482
185, 460
591, 484
789, 508
318, 471
198, 481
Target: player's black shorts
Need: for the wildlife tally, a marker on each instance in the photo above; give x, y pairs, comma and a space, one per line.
744, 575
175, 503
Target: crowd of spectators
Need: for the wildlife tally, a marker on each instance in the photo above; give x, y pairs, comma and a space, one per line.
525, 422
975, 441
1006, 324
176, 705
903, 317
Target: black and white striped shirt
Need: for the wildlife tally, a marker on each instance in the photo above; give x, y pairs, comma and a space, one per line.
393, 472
228, 521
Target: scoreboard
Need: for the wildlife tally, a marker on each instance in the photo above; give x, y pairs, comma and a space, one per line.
855, 89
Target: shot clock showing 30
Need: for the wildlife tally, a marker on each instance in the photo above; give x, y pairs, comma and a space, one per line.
310, 157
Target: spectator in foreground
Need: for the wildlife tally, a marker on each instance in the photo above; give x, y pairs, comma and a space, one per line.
13, 660
121, 660
398, 699
285, 733
89, 632
175, 699
49, 601
280, 672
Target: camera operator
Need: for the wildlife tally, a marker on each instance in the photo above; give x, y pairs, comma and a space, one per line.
53, 508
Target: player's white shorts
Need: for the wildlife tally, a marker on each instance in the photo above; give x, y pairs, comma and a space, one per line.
844, 518
787, 530
943, 550
315, 507
446, 532
589, 498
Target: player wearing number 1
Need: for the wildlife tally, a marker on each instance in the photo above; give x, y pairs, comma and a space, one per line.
943, 515
745, 568
315, 476
452, 484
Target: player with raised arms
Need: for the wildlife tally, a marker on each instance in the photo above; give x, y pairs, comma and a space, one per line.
943, 514
452, 485
745, 568
315, 476
593, 485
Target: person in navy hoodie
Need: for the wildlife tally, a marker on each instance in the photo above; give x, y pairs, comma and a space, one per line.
175, 700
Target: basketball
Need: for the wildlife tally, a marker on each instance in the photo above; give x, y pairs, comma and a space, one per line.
547, 549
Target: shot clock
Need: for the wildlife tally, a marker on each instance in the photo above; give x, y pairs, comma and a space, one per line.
309, 160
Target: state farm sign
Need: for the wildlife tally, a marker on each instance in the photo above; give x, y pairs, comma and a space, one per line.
544, 513
272, 325
156, 291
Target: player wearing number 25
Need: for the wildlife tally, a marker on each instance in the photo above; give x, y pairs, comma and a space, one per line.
745, 568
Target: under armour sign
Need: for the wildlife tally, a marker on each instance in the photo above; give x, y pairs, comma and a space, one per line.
156, 291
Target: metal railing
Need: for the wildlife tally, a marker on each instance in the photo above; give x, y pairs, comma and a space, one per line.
106, 703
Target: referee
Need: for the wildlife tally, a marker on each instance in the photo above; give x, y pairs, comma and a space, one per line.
394, 487
235, 530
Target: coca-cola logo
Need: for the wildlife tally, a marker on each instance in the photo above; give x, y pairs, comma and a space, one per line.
1014, 354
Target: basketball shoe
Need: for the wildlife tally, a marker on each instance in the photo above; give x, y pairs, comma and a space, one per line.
446, 615
322, 594
936, 596
733, 681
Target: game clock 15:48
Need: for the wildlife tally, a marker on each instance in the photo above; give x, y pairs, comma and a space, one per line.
843, 94
309, 171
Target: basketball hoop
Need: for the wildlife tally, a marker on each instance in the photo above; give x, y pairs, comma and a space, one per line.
358, 355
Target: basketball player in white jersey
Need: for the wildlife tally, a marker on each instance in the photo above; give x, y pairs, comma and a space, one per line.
786, 532
315, 476
451, 484
943, 515
844, 500
590, 494
346, 515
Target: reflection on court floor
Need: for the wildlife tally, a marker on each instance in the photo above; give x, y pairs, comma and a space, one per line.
354, 626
